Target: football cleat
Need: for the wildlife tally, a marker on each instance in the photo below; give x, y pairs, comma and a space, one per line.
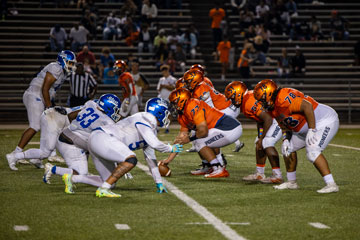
104, 192
254, 177
238, 147
192, 149
47, 173
68, 183
23, 161
128, 176
12, 161
206, 169
37, 163
56, 158
287, 185
220, 172
272, 180
329, 188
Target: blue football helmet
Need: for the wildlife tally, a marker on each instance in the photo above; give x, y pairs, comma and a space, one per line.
160, 109
110, 104
67, 60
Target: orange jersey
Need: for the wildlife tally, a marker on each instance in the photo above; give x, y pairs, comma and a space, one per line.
208, 82
217, 15
242, 62
218, 99
287, 108
224, 49
196, 112
250, 107
126, 81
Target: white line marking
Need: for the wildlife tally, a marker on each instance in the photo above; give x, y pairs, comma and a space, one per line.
229, 155
228, 223
318, 225
342, 146
34, 143
224, 229
122, 226
21, 228
336, 155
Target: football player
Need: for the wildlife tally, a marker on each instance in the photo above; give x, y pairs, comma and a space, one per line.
194, 80
41, 93
243, 99
313, 126
212, 130
114, 144
202, 70
126, 82
53, 121
72, 142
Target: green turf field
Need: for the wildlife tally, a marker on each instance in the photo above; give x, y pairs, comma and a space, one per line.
259, 211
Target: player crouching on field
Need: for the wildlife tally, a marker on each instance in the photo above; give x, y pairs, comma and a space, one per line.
313, 126
213, 129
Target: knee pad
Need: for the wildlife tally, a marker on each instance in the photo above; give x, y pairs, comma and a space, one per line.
132, 160
312, 154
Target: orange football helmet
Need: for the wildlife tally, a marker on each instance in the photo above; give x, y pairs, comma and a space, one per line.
120, 65
198, 67
180, 83
192, 78
179, 97
235, 91
264, 92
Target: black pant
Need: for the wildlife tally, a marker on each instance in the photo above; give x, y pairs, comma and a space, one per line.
217, 36
77, 101
245, 72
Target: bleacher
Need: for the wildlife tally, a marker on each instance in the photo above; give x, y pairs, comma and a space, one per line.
330, 76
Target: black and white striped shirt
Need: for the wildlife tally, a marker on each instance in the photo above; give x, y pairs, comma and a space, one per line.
80, 84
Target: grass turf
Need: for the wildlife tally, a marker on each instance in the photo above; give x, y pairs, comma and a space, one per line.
52, 214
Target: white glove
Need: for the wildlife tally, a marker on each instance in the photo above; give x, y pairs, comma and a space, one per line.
285, 148
311, 136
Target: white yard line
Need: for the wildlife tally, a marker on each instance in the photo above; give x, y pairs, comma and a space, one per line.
21, 228
34, 143
318, 225
228, 223
224, 229
122, 226
342, 146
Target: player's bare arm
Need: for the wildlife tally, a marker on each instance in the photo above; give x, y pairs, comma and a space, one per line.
307, 108
48, 82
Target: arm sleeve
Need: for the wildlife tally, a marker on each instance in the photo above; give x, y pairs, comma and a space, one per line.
151, 139
150, 158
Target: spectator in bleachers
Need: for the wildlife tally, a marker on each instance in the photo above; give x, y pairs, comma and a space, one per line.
149, 12
145, 39
171, 62
283, 69
172, 40
300, 30
262, 12
338, 26
180, 58
83, 86
246, 19
131, 32
111, 30
245, 60
141, 83
58, 37
129, 8
175, 26
250, 34
292, 8
87, 58
298, 63
357, 53
78, 36
160, 39
109, 76
89, 22
260, 49
194, 30
315, 28
237, 6
217, 14
105, 57
189, 43
223, 49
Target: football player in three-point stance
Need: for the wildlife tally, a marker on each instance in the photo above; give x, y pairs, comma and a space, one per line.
312, 124
212, 130
41, 92
243, 99
129, 99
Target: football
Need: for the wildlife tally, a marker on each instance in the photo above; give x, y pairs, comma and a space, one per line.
164, 170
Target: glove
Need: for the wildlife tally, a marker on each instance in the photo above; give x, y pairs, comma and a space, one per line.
311, 136
161, 188
285, 148
176, 148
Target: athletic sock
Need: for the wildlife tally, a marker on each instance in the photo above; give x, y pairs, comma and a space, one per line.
237, 142
19, 155
61, 171
260, 168
93, 180
106, 185
328, 178
214, 164
276, 171
32, 153
291, 176
220, 159
18, 149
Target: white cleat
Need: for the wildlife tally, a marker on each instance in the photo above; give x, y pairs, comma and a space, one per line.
47, 173
238, 147
128, 176
37, 163
329, 188
287, 185
23, 161
272, 180
254, 177
12, 161
56, 158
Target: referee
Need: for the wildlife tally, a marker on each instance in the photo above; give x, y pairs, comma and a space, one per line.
83, 86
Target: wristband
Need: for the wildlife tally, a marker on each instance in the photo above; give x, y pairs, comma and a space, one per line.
261, 131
